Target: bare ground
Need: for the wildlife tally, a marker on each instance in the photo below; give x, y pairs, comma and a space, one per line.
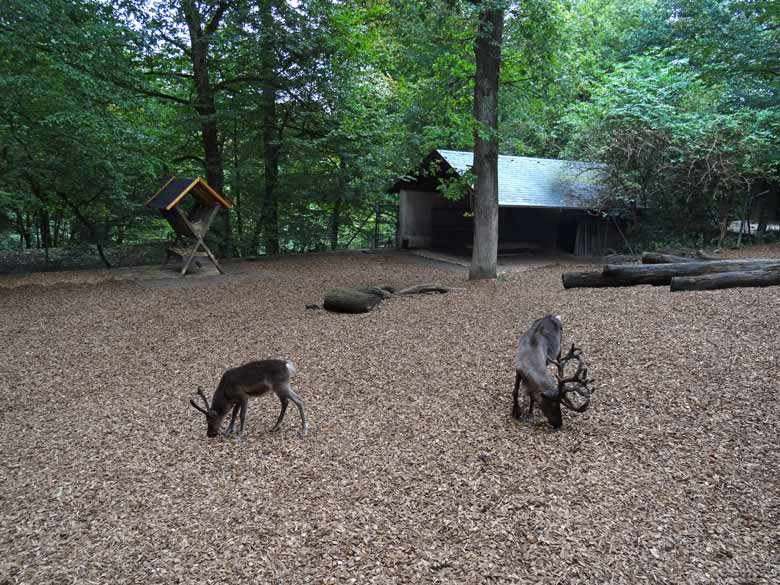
413, 471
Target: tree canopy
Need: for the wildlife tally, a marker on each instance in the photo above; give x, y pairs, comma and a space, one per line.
304, 113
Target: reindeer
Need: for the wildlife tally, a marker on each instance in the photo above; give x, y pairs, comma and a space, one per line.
539, 347
253, 379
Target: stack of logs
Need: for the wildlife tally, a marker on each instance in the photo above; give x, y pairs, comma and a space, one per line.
681, 273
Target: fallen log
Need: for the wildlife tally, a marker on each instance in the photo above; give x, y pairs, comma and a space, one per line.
687, 253
347, 300
618, 275
362, 299
745, 278
423, 289
587, 280
383, 292
657, 258
662, 274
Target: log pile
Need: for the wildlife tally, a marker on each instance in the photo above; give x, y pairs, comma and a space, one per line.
680, 273
362, 299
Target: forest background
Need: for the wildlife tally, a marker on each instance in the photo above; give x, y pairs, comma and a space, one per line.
304, 112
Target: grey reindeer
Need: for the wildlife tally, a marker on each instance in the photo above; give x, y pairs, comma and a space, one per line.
539, 347
253, 379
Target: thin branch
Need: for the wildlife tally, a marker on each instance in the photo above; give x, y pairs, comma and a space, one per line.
164, 96
176, 43
169, 74
213, 24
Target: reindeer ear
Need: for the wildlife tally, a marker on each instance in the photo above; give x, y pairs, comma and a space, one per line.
551, 393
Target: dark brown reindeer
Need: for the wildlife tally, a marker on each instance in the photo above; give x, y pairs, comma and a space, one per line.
253, 379
538, 348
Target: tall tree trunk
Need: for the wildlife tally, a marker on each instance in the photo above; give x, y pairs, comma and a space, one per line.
45, 227
487, 49
24, 233
269, 217
270, 207
236, 192
335, 223
205, 104
57, 228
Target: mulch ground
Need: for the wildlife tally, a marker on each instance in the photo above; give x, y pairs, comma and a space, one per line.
413, 471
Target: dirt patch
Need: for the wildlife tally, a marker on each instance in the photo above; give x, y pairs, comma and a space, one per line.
413, 471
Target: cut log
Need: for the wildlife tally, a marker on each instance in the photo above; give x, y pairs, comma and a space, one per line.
656, 258
423, 289
346, 300
617, 275
746, 278
587, 280
662, 274
687, 253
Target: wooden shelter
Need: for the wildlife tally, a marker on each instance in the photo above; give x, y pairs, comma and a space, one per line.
544, 205
189, 220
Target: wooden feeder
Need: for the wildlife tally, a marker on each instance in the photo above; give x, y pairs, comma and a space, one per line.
190, 223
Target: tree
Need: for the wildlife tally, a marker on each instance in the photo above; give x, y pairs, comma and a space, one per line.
673, 148
487, 50
75, 149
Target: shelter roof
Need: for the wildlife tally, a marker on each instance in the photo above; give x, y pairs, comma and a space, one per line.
525, 181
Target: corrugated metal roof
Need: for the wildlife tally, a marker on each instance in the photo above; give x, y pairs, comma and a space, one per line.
537, 182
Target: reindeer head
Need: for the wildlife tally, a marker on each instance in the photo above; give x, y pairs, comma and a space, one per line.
213, 418
577, 385
550, 404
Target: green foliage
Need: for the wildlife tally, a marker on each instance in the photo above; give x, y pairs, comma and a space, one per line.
672, 146
98, 108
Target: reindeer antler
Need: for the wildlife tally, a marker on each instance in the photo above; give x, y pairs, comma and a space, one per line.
577, 383
205, 401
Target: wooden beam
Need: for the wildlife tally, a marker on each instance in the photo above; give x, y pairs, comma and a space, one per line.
225, 203
173, 203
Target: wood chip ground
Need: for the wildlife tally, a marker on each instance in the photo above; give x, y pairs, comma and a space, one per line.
413, 471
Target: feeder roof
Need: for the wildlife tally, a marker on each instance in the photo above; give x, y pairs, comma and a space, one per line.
177, 187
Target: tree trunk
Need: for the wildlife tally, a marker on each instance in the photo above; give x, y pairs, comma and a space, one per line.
57, 228
236, 192
270, 208
334, 224
747, 278
205, 103
44, 224
269, 215
487, 50
24, 233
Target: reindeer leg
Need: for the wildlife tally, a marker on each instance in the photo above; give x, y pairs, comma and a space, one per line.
244, 404
284, 400
232, 420
288, 393
517, 412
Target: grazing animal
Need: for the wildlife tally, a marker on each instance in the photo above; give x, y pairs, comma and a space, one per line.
537, 348
253, 379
